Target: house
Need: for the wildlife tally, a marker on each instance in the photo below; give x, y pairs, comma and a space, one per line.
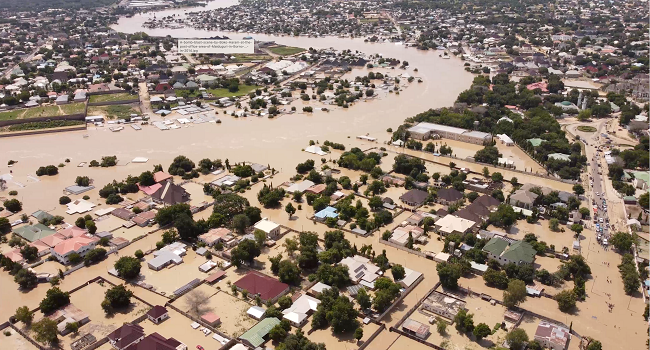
79, 206
318, 288
43, 249
68, 314
169, 254
15, 256
301, 308
143, 219
158, 314
72, 231
123, 213
269, 227
401, 234
79, 96
414, 198
316, 189
34, 232
300, 187
41, 215
518, 253
217, 235
552, 336
410, 278
170, 194
161, 176
424, 131
62, 100
449, 196
415, 328
254, 337
523, 199
211, 318
361, 270
80, 245
256, 312
641, 179
155, 341
453, 224
329, 212
505, 140
268, 288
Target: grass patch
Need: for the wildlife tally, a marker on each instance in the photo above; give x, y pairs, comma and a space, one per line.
42, 111
286, 50
111, 97
369, 20
11, 115
586, 128
44, 125
243, 90
112, 112
187, 93
247, 57
73, 108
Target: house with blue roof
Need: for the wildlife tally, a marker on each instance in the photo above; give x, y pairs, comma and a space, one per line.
329, 212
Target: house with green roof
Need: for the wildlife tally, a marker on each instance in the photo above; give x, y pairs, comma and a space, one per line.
536, 141
641, 179
42, 215
517, 252
34, 232
560, 156
254, 337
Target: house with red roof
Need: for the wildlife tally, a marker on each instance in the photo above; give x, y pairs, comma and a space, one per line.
268, 288
80, 245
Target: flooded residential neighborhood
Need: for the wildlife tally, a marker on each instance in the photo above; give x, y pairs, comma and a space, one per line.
370, 175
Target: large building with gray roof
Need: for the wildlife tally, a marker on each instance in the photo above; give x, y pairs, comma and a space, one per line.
424, 131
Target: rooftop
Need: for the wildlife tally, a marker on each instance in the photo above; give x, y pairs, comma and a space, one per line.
255, 335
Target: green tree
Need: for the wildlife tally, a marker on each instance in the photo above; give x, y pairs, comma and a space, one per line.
54, 299
515, 294
441, 326
128, 267
554, 224
578, 189
24, 315
363, 299
289, 272
46, 331
464, 321
516, 338
622, 241
117, 297
449, 275
240, 222
277, 333
398, 272
260, 237
481, 331
358, 334
595, 345
566, 300
290, 209
245, 252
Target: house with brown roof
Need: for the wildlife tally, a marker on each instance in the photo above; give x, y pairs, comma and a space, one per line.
158, 314
414, 198
125, 336
143, 219
217, 235
170, 194
123, 214
268, 288
155, 341
449, 196
552, 336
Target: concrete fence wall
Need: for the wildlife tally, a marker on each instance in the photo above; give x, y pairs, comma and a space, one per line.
80, 116
372, 337
401, 297
113, 103
401, 247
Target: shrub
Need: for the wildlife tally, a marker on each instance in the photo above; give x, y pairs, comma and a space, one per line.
64, 200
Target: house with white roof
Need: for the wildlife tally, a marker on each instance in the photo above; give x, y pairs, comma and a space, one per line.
453, 224
269, 227
169, 254
362, 271
298, 312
